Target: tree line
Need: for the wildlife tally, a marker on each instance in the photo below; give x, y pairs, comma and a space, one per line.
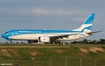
86, 41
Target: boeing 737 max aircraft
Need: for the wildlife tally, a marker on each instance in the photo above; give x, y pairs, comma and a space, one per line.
45, 36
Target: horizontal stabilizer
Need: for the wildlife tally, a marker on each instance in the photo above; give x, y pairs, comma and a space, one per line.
94, 32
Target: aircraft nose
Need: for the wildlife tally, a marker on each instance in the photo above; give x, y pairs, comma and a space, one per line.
4, 36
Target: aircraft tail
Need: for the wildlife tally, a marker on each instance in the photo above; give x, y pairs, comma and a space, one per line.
87, 25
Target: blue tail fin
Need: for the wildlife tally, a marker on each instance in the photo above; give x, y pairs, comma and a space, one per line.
87, 25
90, 19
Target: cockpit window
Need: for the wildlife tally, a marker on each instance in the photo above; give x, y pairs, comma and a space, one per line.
7, 32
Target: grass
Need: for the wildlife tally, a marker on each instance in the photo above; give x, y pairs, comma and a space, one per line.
25, 55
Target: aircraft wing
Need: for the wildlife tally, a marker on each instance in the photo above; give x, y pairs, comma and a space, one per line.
60, 36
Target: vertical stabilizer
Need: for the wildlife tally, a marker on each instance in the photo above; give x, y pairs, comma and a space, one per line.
87, 25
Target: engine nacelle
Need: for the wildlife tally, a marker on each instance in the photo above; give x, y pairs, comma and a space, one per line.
44, 39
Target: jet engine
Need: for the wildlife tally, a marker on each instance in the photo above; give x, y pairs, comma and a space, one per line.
44, 39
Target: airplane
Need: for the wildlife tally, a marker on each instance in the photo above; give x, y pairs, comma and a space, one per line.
50, 36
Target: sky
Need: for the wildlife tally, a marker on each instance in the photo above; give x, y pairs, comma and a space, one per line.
51, 14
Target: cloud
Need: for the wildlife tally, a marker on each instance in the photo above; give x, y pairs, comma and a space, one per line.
42, 12
74, 15
57, 12
39, 11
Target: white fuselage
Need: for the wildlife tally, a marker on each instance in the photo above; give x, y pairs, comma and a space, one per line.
36, 36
